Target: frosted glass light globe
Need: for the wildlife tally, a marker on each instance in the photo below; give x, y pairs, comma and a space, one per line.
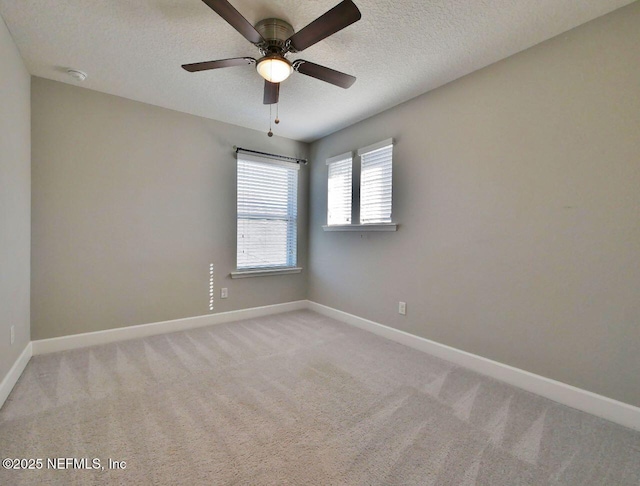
274, 69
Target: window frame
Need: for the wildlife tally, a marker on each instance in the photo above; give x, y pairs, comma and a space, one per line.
362, 153
356, 193
332, 162
291, 218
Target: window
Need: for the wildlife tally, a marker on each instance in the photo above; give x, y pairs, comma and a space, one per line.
376, 183
373, 202
339, 189
267, 213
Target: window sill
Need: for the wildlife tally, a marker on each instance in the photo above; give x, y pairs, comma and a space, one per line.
265, 272
361, 227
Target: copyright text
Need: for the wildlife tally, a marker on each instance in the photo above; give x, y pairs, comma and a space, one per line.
63, 463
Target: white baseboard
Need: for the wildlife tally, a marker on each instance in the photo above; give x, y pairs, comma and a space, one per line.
14, 373
63, 343
598, 405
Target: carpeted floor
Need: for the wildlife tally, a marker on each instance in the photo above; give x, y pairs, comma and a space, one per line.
296, 399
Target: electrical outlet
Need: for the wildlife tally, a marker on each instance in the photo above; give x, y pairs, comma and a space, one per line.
402, 308
13, 334
224, 293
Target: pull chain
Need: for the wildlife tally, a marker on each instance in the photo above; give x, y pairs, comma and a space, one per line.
270, 133
277, 119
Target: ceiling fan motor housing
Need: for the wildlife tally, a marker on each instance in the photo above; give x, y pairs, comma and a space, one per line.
275, 32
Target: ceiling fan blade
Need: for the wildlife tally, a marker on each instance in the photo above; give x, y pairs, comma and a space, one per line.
271, 93
336, 19
324, 73
225, 10
222, 63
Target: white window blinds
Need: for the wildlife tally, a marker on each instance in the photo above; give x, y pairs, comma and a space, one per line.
339, 189
267, 212
376, 182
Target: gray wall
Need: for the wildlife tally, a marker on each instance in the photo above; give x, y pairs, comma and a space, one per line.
15, 201
131, 203
517, 190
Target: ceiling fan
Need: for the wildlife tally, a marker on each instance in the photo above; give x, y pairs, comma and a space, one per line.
275, 39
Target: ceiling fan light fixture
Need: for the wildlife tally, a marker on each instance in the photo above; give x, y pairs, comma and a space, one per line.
274, 68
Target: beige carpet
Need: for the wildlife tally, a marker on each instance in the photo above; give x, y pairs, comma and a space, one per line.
296, 399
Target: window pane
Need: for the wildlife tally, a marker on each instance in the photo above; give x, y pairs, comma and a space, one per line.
376, 186
262, 243
267, 215
339, 192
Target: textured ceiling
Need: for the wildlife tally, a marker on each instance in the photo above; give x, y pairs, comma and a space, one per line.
398, 50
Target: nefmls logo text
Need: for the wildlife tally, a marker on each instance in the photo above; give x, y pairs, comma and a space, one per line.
73, 463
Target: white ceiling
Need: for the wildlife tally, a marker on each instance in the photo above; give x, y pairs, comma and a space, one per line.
398, 50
